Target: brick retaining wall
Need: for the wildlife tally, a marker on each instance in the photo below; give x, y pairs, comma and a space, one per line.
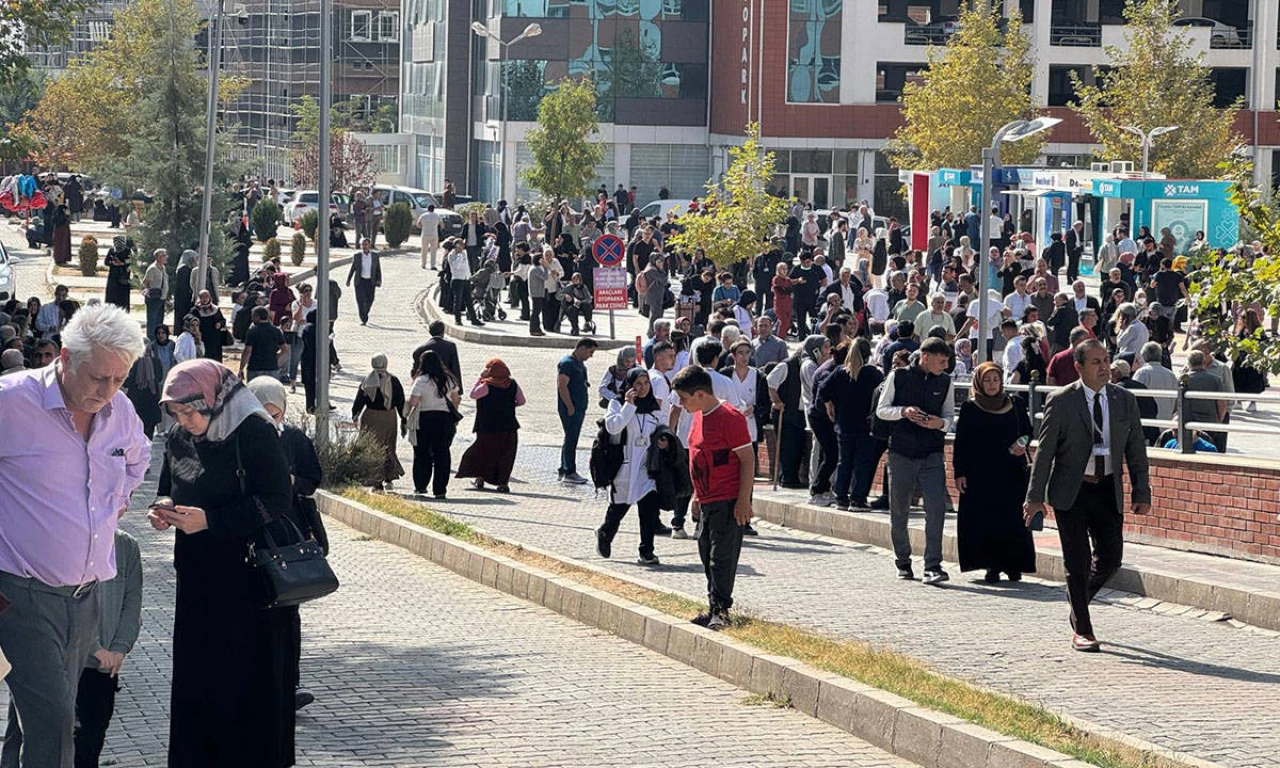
1221, 506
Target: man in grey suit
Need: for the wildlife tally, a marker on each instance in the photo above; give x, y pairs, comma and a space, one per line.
1089, 429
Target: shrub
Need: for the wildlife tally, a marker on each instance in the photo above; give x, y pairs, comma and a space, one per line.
264, 219
271, 250
348, 458
397, 224
466, 209
310, 224
88, 256
298, 248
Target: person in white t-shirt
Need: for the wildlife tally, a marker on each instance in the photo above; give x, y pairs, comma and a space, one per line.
660, 375
429, 223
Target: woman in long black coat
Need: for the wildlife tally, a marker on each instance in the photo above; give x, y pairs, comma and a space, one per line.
232, 699
118, 279
990, 469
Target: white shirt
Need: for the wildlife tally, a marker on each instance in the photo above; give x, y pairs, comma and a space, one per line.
186, 349
995, 225
1012, 356
428, 395
1127, 245
366, 265
632, 482
744, 396
661, 386
459, 265
1015, 302
847, 295
429, 222
877, 301
721, 387
1089, 396
994, 317
1081, 303
808, 369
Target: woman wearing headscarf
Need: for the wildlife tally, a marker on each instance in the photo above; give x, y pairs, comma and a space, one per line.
61, 242
144, 383
224, 479
182, 280
615, 377
189, 346
307, 474
782, 287
281, 299
213, 325
165, 351
118, 279
990, 469
490, 458
633, 417
379, 403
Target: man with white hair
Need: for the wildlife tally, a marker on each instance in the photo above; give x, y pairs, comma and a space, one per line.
82, 455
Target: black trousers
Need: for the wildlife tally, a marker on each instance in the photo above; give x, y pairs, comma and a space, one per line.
535, 315
719, 545
95, 704
462, 301
646, 508
803, 312
551, 314
431, 456
1092, 536
1073, 266
365, 292
824, 432
790, 451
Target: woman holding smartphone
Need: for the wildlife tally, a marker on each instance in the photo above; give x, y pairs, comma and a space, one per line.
223, 480
991, 474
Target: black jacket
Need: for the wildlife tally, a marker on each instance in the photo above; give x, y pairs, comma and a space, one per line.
304, 465
375, 271
448, 352
669, 468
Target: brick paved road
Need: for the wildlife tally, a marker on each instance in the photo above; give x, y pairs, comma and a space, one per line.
1190, 685
413, 665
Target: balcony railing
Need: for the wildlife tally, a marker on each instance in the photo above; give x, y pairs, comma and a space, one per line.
1075, 35
922, 35
1240, 38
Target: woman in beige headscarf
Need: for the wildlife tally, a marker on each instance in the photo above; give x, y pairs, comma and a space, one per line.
381, 401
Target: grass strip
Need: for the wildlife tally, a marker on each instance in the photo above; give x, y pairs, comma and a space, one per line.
863, 662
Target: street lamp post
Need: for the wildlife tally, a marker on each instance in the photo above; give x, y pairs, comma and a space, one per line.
324, 194
210, 141
1146, 139
1015, 131
533, 30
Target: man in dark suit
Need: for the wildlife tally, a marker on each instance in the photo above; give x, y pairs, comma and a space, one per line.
1089, 429
366, 270
1075, 248
447, 350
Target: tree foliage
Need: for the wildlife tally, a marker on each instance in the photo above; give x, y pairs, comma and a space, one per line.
264, 218
1155, 80
350, 161
398, 224
977, 83
1237, 278
739, 214
565, 150
27, 24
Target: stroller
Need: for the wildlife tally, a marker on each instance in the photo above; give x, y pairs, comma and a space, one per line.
486, 292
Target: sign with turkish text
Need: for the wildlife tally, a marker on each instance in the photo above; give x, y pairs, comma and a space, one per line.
610, 288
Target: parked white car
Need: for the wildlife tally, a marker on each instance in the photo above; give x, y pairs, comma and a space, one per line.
308, 200
8, 280
418, 200
1220, 35
661, 208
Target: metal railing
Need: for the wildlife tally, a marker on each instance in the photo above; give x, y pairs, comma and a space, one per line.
1037, 393
1075, 35
1243, 38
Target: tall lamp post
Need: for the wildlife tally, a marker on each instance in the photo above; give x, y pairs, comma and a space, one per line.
1146, 139
214, 59
1015, 131
324, 195
533, 30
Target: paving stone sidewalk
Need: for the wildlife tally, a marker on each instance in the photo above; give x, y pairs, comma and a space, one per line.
413, 665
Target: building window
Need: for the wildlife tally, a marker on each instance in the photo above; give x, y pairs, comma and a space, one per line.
361, 26
814, 42
389, 26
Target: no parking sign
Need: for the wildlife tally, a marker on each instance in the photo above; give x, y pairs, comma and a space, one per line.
609, 250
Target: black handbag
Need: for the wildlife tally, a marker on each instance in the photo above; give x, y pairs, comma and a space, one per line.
290, 574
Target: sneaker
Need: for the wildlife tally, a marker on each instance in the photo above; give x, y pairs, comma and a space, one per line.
574, 479
678, 532
906, 574
820, 500
718, 622
604, 547
747, 530
935, 576
440, 496
662, 530
842, 505
301, 698
859, 505
1252, 407
702, 619
880, 503
649, 560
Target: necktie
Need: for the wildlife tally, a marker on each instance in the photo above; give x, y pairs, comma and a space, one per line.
1099, 461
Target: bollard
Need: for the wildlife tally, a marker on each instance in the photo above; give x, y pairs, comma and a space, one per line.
1184, 441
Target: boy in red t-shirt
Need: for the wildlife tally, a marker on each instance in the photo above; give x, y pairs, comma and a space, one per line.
722, 466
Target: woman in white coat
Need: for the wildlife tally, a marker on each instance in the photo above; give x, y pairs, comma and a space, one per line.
633, 417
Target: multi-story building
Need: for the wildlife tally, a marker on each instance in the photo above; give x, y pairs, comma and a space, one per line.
90, 30
826, 91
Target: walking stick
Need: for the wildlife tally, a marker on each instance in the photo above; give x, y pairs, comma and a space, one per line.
777, 449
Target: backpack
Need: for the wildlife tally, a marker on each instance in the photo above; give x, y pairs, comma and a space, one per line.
880, 428
606, 457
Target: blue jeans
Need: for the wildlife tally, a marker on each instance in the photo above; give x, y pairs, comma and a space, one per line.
155, 315
857, 468
572, 426
295, 357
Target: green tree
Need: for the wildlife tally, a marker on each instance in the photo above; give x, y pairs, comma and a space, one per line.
740, 215
351, 162
1154, 80
398, 224
27, 24
978, 82
565, 153
1241, 279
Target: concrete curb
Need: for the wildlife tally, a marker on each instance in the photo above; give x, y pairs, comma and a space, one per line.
931, 739
429, 313
1258, 608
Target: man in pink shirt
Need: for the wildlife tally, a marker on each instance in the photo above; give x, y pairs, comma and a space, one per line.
72, 454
